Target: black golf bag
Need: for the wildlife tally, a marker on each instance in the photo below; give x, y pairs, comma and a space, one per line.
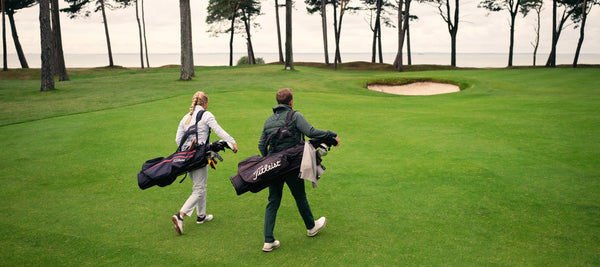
163, 171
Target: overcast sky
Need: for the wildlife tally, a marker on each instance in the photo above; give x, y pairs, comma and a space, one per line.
478, 32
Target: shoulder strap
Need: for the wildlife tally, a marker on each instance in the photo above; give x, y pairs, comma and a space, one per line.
288, 119
192, 130
198, 118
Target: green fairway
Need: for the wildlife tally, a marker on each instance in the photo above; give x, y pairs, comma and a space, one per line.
505, 172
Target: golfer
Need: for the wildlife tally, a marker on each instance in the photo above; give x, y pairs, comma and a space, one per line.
298, 127
197, 199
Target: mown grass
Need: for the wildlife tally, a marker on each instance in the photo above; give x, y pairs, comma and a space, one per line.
505, 172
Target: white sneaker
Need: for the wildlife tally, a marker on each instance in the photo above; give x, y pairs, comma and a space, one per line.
319, 224
270, 246
206, 218
178, 221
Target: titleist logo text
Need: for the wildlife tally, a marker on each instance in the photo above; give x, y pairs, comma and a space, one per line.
265, 168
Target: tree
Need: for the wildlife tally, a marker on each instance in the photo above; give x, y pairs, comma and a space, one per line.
403, 7
277, 5
137, 18
343, 7
377, 31
60, 68
76, 7
220, 11
581, 16
249, 8
379, 8
187, 53
324, 26
47, 80
551, 62
289, 60
313, 6
410, 18
536, 43
9, 8
145, 39
513, 7
569, 8
445, 10
4, 54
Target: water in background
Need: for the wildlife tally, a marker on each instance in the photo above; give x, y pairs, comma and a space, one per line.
477, 60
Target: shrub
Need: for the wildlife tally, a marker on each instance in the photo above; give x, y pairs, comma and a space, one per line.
244, 61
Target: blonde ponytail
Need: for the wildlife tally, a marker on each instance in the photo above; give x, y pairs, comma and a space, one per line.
199, 98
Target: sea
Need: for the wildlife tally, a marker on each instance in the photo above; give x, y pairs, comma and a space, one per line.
465, 60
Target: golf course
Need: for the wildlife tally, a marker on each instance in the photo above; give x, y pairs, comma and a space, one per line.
505, 172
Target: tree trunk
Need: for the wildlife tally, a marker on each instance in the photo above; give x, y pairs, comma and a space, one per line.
453, 32
47, 80
551, 62
537, 34
231, 38
581, 33
4, 54
324, 25
110, 58
336, 35
556, 36
379, 8
60, 67
374, 43
379, 44
281, 60
145, 43
187, 53
289, 61
15, 37
376, 30
247, 25
401, 30
137, 18
513, 15
338, 57
453, 49
408, 53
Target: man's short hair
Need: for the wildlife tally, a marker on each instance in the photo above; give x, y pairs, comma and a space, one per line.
284, 96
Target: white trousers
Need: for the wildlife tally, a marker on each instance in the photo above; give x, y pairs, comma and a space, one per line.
198, 197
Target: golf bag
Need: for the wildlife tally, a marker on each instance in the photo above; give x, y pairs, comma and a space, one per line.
163, 171
256, 173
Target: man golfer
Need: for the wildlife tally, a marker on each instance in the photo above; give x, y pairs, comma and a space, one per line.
298, 126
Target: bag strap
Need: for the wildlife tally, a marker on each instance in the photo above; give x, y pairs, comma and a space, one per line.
198, 118
193, 129
288, 119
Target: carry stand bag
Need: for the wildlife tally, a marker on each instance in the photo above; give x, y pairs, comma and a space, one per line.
256, 173
163, 171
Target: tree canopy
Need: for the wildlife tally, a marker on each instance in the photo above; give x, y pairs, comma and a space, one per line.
79, 7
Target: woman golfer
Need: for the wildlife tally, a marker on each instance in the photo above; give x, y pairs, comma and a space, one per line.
197, 199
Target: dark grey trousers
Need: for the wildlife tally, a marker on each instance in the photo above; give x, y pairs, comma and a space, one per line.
296, 186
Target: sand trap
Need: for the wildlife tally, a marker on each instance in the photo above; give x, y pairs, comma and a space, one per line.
418, 88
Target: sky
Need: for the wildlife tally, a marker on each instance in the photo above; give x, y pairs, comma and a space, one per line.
478, 32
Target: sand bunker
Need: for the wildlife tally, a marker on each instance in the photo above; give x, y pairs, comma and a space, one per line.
418, 88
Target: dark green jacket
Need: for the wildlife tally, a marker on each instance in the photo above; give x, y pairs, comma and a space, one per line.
298, 126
